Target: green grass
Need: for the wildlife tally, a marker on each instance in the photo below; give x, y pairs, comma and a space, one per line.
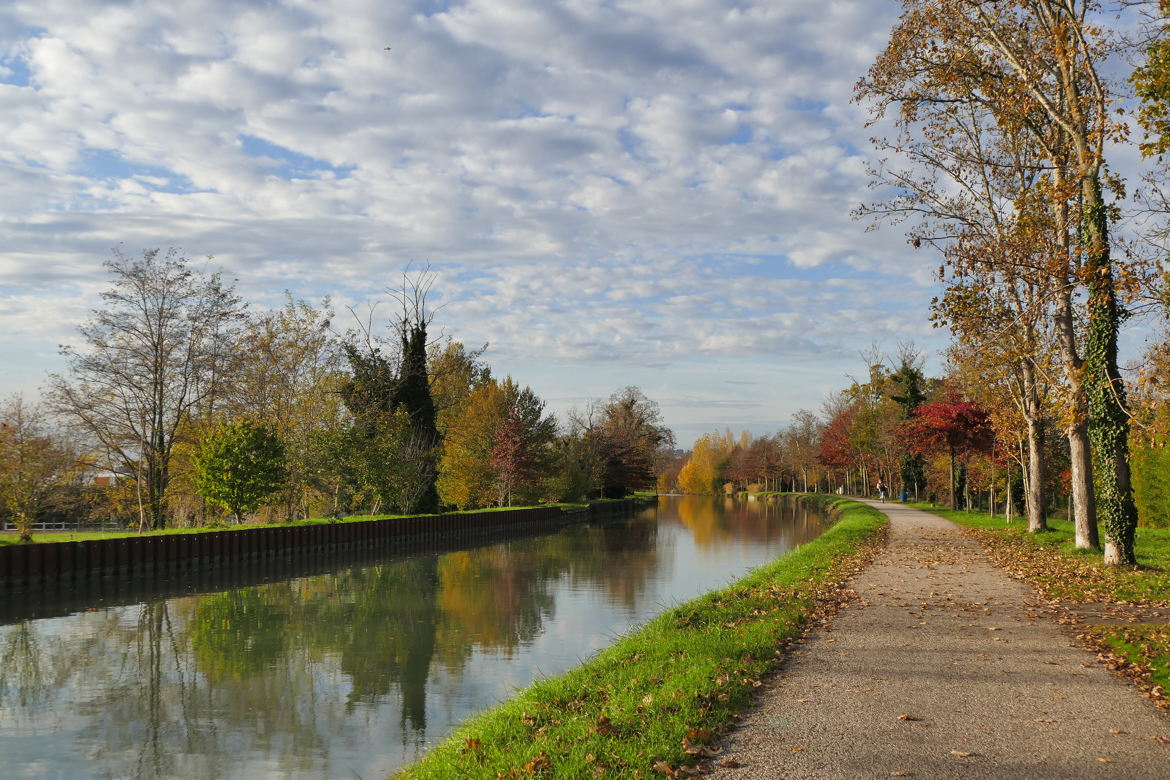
7, 538
649, 703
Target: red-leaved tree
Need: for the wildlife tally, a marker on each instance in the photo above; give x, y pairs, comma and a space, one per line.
961, 428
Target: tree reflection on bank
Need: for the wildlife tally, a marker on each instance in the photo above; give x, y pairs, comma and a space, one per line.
336, 674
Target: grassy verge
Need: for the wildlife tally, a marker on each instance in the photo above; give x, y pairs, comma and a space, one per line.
1049, 562
649, 704
81, 536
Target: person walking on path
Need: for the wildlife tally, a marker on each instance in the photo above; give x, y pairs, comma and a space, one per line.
944, 667
882, 490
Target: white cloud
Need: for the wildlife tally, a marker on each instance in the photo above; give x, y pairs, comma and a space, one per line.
613, 193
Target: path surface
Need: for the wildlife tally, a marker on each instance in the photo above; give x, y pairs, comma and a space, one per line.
945, 667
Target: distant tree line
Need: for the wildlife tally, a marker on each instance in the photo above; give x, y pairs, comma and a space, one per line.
957, 439
183, 406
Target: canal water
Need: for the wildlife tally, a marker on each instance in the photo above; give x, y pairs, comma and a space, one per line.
356, 672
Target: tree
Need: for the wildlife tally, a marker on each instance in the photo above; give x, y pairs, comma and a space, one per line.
1026, 71
382, 384
630, 438
497, 447
239, 466
908, 391
703, 471
288, 378
801, 444
35, 463
466, 477
520, 443
955, 426
151, 355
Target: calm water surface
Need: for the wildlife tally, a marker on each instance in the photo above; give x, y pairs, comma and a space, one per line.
355, 673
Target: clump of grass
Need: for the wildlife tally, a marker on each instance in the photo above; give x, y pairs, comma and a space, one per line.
653, 702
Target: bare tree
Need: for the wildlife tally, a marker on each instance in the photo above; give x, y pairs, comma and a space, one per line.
150, 356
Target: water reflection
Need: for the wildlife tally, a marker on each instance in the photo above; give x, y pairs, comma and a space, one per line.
357, 671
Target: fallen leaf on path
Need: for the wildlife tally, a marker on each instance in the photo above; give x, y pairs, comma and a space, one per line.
1105, 760
901, 773
1163, 740
730, 763
1117, 731
962, 753
908, 717
797, 748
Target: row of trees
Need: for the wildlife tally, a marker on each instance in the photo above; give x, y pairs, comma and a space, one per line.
180, 404
1005, 119
942, 439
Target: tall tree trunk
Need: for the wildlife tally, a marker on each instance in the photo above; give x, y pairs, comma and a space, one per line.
1080, 459
954, 494
1036, 478
1108, 413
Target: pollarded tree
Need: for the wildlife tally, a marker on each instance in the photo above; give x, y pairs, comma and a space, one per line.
389, 384
239, 466
150, 358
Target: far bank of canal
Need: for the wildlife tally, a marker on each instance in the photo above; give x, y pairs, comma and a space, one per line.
358, 671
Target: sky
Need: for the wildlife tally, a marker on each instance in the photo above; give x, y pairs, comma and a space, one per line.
631, 192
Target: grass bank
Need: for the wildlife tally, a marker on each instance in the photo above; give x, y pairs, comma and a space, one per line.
1049, 562
649, 704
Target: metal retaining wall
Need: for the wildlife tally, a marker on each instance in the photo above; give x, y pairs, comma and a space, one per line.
128, 558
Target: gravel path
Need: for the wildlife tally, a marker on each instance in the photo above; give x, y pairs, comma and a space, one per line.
945, 667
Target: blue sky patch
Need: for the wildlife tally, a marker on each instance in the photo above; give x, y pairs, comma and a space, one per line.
108, 164
14, 70
285, 162
742, 135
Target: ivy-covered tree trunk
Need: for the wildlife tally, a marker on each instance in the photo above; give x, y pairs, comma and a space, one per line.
413, 393
1108, 414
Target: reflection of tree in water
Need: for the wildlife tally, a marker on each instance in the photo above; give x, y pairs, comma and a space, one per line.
618, 556
705, 518
178, 688
240, 633
494, 598
381, 620
22, 673
498, 598
719, 520
152, 710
